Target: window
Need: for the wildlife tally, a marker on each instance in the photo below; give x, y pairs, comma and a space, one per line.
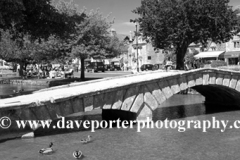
236, 44
213, 48
149, 57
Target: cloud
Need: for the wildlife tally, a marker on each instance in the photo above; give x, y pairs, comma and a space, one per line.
128, 24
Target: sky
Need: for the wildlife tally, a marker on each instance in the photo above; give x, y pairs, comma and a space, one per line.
121, 11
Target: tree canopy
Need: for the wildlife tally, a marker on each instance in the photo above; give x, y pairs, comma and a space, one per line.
92, 38
41, 31
178, 23
37, 18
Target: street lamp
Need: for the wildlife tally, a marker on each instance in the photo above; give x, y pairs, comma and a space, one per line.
137, 46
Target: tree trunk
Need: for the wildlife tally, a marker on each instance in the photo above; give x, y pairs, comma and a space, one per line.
181, 51
82, 69
21, 69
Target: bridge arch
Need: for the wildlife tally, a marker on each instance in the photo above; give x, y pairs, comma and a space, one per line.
140, 94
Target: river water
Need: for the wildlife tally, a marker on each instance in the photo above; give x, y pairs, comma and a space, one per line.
149, 144
8, 89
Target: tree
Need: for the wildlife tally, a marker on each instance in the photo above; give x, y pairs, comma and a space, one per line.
37, 18
91, 39
181, 22
18, 50
50, 50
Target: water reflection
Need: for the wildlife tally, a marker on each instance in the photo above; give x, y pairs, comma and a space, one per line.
8, 89
182, 106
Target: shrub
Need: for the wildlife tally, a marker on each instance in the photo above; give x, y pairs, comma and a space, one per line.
218, 63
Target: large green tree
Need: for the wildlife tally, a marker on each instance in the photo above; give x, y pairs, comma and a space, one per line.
37, 18
92, 38
17, 50
178, 23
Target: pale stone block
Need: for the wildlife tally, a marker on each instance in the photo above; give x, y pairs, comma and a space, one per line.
191, 80
117, 103
156, 92
198, 79
144, 113
212, 78
28, 135
238, 86
165, 88
129, 97
149, 99
226, 80
88, 103
205, 79
233, 82
137, 103
174, 85
183, 83
219, 79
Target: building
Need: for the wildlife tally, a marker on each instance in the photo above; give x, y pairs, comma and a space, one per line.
229, 51
143, 52
232, 48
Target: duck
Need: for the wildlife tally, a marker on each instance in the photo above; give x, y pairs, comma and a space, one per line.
77, 154
48, 150
84, 141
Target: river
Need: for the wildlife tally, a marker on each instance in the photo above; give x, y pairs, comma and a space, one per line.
149, 144
8, 89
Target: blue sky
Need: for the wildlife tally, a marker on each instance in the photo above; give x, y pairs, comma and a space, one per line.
121, 11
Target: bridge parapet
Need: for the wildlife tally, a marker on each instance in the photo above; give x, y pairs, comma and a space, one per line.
140, 93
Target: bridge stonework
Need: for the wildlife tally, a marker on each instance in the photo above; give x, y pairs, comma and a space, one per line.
140, 94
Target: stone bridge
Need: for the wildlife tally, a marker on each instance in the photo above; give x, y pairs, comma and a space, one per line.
140, 94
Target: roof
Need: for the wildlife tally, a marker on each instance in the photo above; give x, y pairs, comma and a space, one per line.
211, 54
231, 54
116, 59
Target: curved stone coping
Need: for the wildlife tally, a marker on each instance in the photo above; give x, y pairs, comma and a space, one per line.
96, 86
87, 82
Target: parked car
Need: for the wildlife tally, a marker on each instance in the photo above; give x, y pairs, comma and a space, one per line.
157, 66
107, 67
146, 67
115, 68
95, 67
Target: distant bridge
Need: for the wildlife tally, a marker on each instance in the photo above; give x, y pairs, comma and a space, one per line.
139, 93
